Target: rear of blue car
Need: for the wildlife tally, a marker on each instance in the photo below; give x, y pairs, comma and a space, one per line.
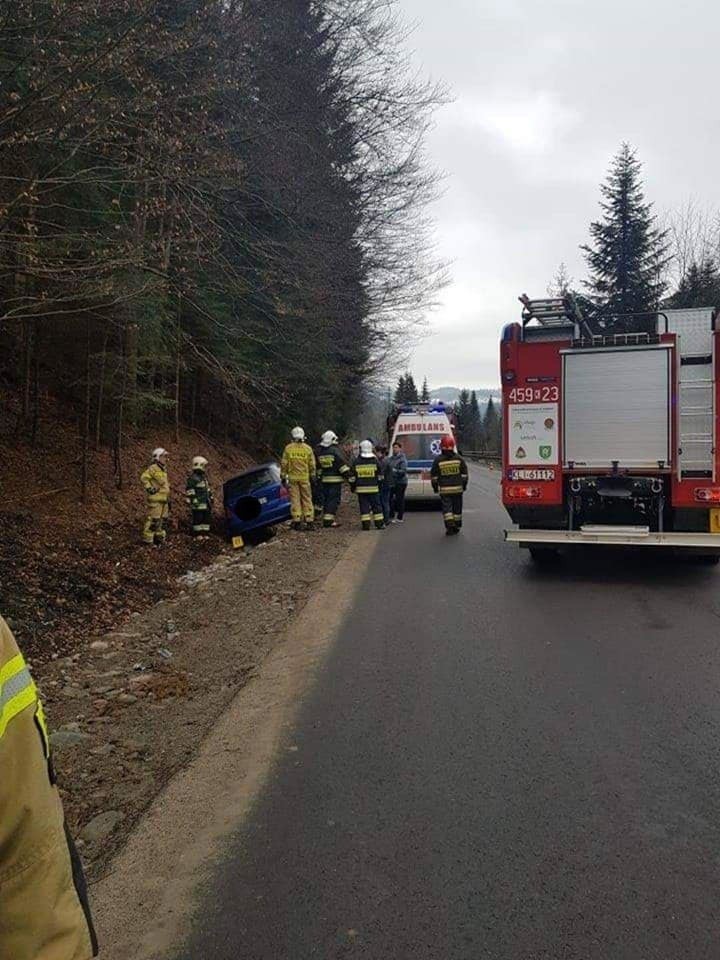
255, 499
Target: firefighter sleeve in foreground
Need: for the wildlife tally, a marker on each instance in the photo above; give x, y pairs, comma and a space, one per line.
44, 913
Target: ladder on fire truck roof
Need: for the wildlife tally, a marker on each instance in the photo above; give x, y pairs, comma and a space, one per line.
694, 329
554, 312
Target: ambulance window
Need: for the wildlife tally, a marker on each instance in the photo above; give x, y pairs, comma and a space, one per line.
422, 446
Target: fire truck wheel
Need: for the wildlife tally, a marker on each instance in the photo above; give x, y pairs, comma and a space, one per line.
544, 556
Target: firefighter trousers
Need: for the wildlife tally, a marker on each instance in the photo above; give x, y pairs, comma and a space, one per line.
301, 501
201, 521
370, 510
452, 505
331, 494
154, 530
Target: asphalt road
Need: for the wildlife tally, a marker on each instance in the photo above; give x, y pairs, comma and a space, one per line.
497, 762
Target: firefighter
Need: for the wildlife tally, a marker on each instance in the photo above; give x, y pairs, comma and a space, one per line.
365, 481
333, 469
44, 910
198, 494
157, 487
298, 471
449, 478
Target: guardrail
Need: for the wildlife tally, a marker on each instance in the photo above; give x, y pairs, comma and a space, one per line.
476, 455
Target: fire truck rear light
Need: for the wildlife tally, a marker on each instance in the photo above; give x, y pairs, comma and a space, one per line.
707, 494
522, 492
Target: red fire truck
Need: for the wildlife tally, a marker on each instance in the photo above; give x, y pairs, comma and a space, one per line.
611, 437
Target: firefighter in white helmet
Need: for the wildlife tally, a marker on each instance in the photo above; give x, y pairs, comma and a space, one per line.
298, 471
157, 488
365, 482
333, 469
198, 494
44, 909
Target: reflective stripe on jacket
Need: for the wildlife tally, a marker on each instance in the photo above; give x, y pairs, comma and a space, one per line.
198, 492
449, 474
298, 462
43, 902
365, 475
331, 465
156, 483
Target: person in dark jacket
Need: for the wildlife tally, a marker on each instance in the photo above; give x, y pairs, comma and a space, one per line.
449, 478
333, 469
365, 481
381, 453
396, 476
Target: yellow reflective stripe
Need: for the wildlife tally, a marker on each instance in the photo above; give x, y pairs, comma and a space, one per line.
332, 480
17, 691
42, 723
13, 666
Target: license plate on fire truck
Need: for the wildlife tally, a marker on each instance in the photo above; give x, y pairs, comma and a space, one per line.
530, 474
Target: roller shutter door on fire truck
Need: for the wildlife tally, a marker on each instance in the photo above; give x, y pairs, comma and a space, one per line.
616, 406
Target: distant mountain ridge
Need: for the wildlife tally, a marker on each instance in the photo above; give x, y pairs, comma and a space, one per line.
451, 394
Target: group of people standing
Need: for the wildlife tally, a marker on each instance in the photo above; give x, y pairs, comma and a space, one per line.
315, 479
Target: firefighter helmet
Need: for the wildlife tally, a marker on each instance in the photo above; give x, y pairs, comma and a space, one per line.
159, 452
447, 444
199, 463
298, 433
366, 448
328, 439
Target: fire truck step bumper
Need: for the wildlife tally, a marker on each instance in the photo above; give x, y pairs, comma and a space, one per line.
614, 535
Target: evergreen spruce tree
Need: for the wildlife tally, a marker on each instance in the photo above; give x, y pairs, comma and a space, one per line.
476, 428
425, 393
491, 428
700, 287
628, 251
411, 391
400, 390
463, 417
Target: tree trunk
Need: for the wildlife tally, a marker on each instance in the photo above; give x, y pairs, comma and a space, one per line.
36, 383
86, 418
101, 389
178, 353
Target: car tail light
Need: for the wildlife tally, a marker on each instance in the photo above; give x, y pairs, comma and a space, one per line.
521, 491
707, 494
284, 493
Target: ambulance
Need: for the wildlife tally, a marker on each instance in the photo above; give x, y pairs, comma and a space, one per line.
419, 428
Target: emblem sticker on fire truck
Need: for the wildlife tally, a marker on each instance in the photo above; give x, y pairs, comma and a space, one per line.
533, 433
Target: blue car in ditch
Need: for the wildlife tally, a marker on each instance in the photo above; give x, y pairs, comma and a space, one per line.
254, 500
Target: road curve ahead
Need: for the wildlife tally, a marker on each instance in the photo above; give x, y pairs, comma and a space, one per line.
497, 762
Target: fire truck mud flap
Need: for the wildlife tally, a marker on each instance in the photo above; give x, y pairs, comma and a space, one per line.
596, 535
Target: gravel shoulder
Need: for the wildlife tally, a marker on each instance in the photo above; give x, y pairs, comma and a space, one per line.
132, 709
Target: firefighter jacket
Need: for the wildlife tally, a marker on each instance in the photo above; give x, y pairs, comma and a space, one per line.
156, 483
43, 900
449, 474
298, 462
331, 465
197, 491
365, 475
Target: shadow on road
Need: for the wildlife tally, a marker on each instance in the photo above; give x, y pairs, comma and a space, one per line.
629, 566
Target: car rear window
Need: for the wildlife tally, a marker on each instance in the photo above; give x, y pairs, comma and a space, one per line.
422, 446
250, 482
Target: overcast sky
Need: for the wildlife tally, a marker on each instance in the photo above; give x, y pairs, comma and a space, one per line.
544, 92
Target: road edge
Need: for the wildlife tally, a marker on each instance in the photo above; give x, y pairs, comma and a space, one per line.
144, 904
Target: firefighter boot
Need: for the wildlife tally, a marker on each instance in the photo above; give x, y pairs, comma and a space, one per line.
365, 521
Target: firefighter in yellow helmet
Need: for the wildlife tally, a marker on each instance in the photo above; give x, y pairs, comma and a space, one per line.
44, 913
298, 471
157, 488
